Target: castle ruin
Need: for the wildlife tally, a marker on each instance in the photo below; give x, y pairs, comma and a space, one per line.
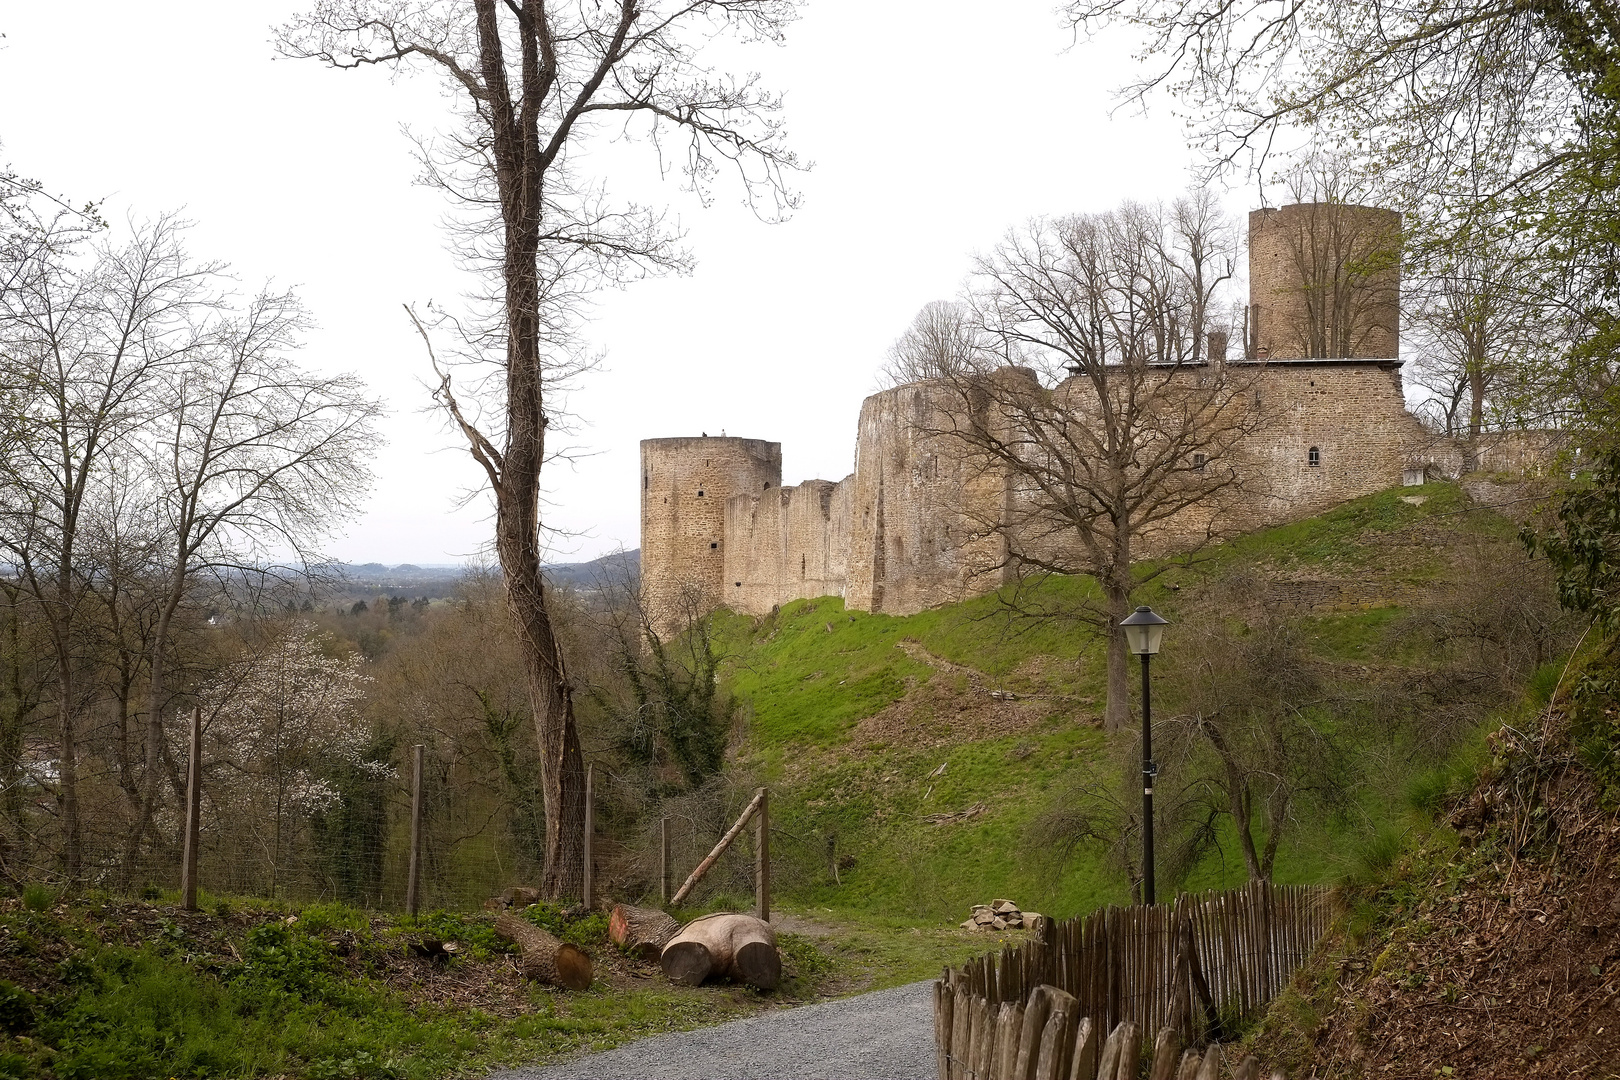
902, 532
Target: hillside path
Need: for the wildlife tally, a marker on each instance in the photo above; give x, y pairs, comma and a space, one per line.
886, 1035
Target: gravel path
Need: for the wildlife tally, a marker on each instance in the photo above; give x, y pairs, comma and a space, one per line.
888, 1035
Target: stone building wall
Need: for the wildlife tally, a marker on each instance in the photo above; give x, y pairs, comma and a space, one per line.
685, 485
1324, 282
915, 525
786, 544
922, 513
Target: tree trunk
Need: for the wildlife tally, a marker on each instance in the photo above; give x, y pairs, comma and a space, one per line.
151, 780
739, 947
1476, 418
641, 932
544, 957
1117, 711
519, 172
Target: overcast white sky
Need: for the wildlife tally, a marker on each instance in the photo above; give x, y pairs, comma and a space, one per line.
933, 127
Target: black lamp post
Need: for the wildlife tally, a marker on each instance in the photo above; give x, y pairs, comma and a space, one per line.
1143, 631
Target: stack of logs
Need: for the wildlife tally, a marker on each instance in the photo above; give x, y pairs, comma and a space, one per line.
1001, 915
723, 945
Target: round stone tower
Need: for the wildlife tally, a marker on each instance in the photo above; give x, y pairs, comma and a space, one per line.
684, 487
1324, 282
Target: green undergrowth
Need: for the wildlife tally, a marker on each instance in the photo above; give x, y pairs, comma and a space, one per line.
119, 990
856, 799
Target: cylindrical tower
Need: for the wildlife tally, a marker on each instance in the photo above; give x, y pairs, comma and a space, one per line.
684, 487
1324, 282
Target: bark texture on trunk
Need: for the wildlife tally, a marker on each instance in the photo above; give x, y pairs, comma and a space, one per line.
544, 958
724, 945
641, 932
520, 175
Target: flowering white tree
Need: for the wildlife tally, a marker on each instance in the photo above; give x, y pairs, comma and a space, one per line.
279, 723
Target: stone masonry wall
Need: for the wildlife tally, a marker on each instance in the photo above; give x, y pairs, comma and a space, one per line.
1324, 281
915, 525
685, 484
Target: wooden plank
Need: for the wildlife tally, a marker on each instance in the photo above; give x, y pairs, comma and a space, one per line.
1166, 1055
983, 1039
943, 1001
1130, 1052
762, 857
1036, 1010
1210, 1067
1083, 1057
1053, 1059
961, 1018
1189, 1066
1009, 1024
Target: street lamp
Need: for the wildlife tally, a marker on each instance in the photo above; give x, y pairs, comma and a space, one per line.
1144, 629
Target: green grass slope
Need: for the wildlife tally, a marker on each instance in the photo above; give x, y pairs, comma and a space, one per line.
870, 727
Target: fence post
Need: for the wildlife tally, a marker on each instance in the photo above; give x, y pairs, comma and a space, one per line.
663, 861
590, 827
188, 862
762, 858
413, 883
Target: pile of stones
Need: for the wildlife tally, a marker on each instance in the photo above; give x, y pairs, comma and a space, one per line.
1001, 915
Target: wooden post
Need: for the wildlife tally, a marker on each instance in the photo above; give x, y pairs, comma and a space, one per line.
589, 898
663, 861
188, 863
719, 849
762, 856
413, 883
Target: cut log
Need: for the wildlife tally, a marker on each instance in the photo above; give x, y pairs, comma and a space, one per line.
724, 944
641, 932
543, 957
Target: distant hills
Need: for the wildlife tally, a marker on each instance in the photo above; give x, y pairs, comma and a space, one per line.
439, 579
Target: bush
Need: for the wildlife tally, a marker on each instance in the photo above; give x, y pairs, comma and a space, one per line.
38, 897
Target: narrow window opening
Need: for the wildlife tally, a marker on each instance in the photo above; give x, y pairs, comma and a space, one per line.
713, 545
1315, 456
738, 584
803, 563
1198, 462
646, 481
767, 485
700, 493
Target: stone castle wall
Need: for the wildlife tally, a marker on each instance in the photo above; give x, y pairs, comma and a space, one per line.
916, 524
1324, 282
685, 485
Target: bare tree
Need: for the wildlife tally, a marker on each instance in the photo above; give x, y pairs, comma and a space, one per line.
1482, 324
1112, 433
251, 462
1343, 263
535, 84
85, 340
1251, 735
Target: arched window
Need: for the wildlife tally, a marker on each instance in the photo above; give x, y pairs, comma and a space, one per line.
1315, 456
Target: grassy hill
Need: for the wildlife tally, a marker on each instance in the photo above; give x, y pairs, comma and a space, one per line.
869, 727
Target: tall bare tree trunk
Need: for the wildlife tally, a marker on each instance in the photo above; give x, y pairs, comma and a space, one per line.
520, 176
67, 786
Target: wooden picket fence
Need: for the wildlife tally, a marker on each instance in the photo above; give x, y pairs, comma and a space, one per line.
1188, 967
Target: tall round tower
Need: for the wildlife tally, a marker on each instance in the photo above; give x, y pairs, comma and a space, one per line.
1324, 282
684, 487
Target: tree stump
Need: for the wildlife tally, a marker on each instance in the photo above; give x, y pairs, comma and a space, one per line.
544, 957
724, 944
641, 932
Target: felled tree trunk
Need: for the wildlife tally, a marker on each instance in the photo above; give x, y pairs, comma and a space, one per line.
642, 932
740, 947
544, 957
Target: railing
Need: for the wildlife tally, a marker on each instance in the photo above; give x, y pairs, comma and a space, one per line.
1192, 966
